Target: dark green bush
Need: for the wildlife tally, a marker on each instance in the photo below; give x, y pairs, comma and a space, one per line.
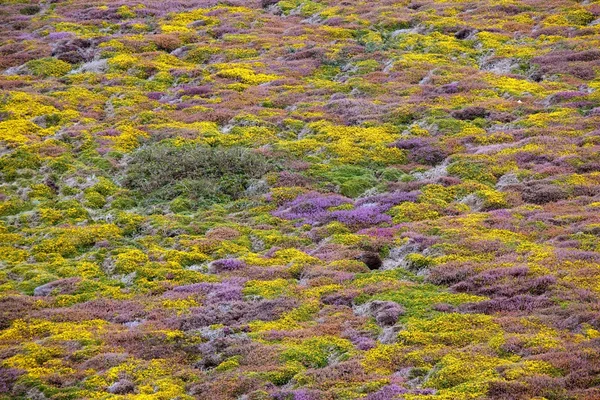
30, 10
163, 172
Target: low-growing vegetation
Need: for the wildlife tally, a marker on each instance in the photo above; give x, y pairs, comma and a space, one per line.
299, 200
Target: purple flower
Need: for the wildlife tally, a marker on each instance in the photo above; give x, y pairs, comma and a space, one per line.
361, 342
229, 290
8, 376
561, 96
226, 265
54, 36
154, 95
387, 393
386, 233
361, 217
195, 90
388, 200
450, 88
311, 207
300, 394
314, 208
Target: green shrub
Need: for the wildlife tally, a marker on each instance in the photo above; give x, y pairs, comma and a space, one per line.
165, 172
30, 10
46, 67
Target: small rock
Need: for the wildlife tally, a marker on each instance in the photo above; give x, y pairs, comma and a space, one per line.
386, 313
123, 386
61, 286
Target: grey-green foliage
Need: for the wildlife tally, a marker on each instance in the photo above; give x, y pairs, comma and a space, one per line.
162, 172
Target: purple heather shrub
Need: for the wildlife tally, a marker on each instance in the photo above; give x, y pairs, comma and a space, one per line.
388, 314
421, 150
154, 95
586, 191
233, 313
412, 143
267, 273
195, 90
544, 385
287, 178
526, 158
56, 36
388, 392
346, 371
361, 342
329, 251
421, 241
388, 200
338, 277
226, 265
443, 307
506, 282
271, 252
562, 96
564, 243
185, 104
364, 343
8, 377
570, 254
580, 104
470, 113
301, 394
340, 298
450, 273
222, 30
574, 317
504, 214
104, 361
229, 290
186, 289
521, 303
311, 207
75, 50
383, 233
335, 21
273, 335
27, 36
226, 291
543, 193
493, 275
109, 132
117, 311
355, 111
14, 307
450, 88
507, 390
361, 217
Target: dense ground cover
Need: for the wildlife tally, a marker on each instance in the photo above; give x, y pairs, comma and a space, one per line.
300, 199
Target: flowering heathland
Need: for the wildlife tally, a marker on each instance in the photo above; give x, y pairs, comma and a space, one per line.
300, 199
